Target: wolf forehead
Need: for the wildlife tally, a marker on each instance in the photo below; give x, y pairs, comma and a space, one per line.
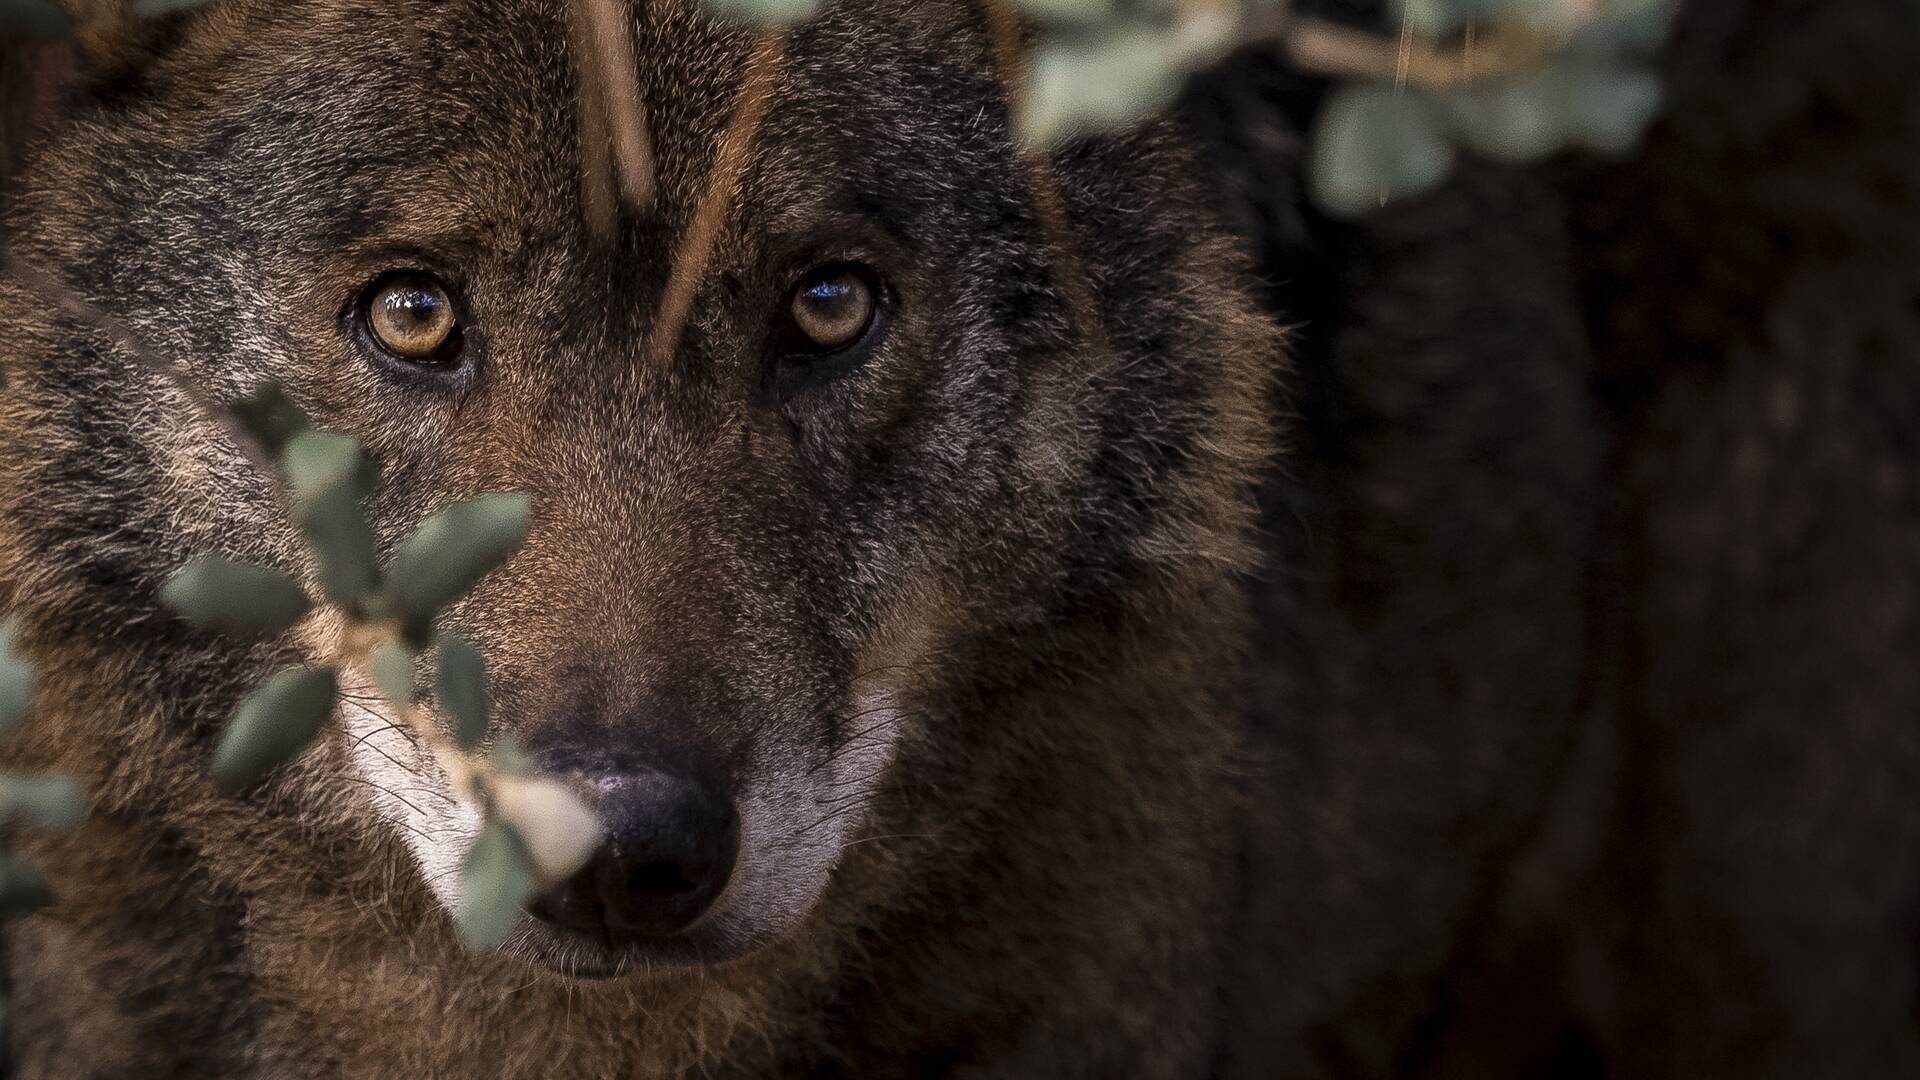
343, 124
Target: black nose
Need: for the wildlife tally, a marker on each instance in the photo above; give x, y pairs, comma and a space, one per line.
670, 848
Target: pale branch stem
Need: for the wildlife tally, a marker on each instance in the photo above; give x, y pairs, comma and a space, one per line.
1327, 48
66, 299
597, 197
690, 261
610, 38
1010, 65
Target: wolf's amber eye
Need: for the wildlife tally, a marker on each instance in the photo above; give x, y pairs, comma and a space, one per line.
832, 307
411, 316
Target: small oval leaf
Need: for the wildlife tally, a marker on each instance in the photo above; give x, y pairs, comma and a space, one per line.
319, 462
273, 724
343, 547
271, 417
331, 477
451, 551
496, 881
16, 681
463, 690
766, 12
1374, 143
22, 888
392, 665
217, 593
50, 800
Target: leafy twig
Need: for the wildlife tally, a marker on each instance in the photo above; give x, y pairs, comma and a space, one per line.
611, 86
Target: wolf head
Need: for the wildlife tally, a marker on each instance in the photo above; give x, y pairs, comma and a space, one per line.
780, 570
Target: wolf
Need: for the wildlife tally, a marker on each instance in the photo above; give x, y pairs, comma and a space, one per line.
994, 647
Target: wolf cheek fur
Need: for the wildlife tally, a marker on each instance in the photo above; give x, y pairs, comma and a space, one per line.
946, 628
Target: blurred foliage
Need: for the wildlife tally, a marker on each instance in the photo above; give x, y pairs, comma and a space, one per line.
388, 614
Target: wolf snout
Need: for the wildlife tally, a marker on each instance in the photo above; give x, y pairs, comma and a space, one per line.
671, 842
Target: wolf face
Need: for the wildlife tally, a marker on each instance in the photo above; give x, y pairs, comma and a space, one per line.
880, 475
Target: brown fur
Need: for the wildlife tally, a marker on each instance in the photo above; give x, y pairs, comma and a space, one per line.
712, 576
1576, 739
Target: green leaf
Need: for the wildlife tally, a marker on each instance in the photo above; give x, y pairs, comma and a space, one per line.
320, 462
274, 724
22, 888
217, 593
1107, 86
1574, 102
52, 801
510, 759
496, 881
1608, 108
1078, 13
271, 417
331, 477
451, 551
463, 690
392, 665
16, 680
1374, 143
766, 12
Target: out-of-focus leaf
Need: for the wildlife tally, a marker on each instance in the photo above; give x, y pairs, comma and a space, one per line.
271, 417
331, 477
496, 881
392, 665
1074, 12
1513, 119
1594, 104
1105, 86
16, 681
509, 758
216, 593
451, 551
766, 12
274, 724
1374, 143
463, 690
52, 801
319, 462
1609, 108
22, 888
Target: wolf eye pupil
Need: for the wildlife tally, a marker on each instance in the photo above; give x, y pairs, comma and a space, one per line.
412, 317
832, 309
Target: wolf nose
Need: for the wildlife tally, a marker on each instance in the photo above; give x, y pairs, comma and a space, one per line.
670, 847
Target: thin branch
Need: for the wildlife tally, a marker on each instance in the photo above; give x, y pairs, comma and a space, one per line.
597, 198
1322, 47
1010, 65
750, 106
610, 37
